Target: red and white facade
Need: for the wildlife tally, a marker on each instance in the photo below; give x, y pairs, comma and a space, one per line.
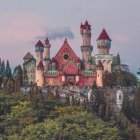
67, 68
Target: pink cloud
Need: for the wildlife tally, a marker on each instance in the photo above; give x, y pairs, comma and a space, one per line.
19, 28
120, 37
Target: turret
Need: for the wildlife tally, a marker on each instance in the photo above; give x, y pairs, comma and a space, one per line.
39, 49
86, 48
99, 72
47, 48
40, 74
46, 55
118, 59
103, 43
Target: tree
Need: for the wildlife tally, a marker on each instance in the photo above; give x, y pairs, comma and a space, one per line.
2, 67
1, 78
7, 72
119, 78
73, 124
20, 116
18, 74
137, 105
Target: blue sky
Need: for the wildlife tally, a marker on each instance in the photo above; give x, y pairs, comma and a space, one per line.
23, 22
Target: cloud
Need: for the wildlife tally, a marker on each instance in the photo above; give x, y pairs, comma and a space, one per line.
17, 28
120, 37
58, 33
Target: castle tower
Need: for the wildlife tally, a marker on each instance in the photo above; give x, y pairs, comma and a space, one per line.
46, 55
103, 43
40, 74
99, 72
39, 49
86, 48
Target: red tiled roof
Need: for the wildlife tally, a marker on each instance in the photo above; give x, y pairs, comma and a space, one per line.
82, 26
39, 43
86, 23
104, 36
40, 65
85, 26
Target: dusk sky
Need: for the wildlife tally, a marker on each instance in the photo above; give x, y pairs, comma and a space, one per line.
23, 22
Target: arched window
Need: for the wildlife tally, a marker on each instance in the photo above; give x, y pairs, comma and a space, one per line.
120, 97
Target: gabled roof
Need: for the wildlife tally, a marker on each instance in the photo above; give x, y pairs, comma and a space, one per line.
28, 56
39, 44
104, 36
40, 65
65, 46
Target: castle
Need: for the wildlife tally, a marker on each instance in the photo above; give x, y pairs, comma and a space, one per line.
66, 67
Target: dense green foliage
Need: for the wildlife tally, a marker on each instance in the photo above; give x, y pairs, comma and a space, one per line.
22, 118
119, 78
72, 124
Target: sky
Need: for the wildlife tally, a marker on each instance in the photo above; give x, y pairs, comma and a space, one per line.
24, 22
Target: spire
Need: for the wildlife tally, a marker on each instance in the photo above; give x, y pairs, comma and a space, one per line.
39, 44
104, 36
46, 41
118, 58
87, 25
65, 42
40, 65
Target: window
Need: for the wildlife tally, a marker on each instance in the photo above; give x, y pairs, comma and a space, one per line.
66, 56
120, 97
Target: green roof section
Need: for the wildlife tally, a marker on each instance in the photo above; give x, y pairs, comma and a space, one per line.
88, 73
52, 73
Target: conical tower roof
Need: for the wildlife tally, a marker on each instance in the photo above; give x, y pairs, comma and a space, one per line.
40, 65
39, 43
104, 36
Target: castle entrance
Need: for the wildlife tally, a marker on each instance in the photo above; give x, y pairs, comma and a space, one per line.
71, 80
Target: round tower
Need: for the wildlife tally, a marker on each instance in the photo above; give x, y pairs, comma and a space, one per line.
40, 74
103, 43
46, 55
47, 48
99, 73
86, 48
39, 49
